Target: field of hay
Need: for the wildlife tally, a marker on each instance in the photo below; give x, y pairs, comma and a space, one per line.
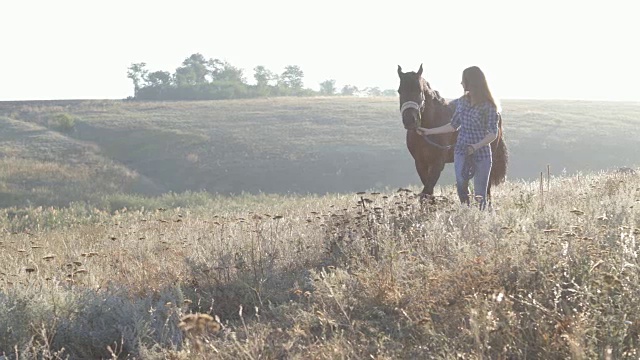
290, 229
372, 275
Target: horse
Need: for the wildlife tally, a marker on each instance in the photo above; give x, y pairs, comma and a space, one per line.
422, 106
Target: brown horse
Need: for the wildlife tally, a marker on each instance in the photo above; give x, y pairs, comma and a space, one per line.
424, 107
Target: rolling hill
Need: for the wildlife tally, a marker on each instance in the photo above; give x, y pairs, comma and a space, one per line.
276, 145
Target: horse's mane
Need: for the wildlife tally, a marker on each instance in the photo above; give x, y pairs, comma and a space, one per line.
442, 113
430, 93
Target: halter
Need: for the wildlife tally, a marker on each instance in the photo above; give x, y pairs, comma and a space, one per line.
411, 105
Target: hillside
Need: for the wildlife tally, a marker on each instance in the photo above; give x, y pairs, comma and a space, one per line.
284, 145
39, 166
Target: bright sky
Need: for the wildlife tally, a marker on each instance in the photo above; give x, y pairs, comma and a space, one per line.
544, 49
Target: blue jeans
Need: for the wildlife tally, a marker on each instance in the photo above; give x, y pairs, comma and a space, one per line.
480, 179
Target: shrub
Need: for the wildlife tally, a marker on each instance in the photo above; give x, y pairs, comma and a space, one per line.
64, 122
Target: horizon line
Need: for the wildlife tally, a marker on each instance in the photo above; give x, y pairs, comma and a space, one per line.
301, 97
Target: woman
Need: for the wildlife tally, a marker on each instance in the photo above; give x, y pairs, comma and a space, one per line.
476, 116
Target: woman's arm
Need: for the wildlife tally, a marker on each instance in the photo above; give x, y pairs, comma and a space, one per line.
453, 126
488, 139
492, 129
447, 128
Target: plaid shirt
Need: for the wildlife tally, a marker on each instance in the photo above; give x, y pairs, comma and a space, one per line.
474, 123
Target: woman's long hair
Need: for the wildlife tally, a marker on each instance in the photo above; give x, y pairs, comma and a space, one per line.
475, 82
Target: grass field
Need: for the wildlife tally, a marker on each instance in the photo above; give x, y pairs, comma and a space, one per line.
279, 145
141, 264
347, 276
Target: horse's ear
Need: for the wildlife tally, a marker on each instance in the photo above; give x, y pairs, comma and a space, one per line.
420, 70
399, 70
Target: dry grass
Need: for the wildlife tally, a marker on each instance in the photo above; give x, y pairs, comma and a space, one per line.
341, 276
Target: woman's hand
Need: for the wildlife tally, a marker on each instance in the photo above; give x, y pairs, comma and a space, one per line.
423, 131
471, 149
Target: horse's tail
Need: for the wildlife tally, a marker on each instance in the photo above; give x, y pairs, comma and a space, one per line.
500, 157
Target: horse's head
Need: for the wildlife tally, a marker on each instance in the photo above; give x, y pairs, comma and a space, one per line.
412, 100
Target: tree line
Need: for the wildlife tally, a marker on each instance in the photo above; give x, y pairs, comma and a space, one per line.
198, 78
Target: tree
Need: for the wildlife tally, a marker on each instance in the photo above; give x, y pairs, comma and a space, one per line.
193, 71
263, 76
198, 79
138, 74
215, 67
328, 87
229, 73
264, 79
390, 92
349, 90
159, 79
291, 78
374, 91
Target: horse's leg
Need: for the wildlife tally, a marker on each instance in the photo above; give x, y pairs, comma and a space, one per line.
423, 172
433, 176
